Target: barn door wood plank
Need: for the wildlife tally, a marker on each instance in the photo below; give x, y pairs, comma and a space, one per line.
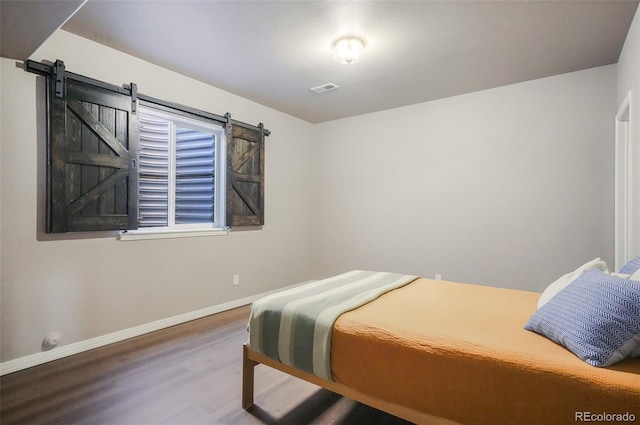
107, 119
246, 199
98, 159
94, 193
249, 178
56, 206
98, 128
239, 162
240, 132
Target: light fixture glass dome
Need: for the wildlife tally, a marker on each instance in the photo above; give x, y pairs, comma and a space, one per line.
349, 49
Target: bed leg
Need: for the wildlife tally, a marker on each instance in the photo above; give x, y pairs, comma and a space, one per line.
247, 379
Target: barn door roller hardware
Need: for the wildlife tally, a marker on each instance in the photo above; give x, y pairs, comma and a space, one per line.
60, 74
133, 92
58, 69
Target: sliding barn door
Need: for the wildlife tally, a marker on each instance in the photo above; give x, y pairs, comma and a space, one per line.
245, 176
91, 157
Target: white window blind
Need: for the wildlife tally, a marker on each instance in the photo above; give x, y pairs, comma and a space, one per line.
177, 171
153, 190
195, 171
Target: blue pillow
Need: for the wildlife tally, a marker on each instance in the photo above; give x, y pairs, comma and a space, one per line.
631, 267
596, 317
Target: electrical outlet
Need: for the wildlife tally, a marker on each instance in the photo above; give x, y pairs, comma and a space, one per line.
438, 276
236, 279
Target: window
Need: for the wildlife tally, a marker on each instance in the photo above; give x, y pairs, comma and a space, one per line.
181, 163
120, 160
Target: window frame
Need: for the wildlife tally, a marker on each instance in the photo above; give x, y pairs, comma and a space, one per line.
204, 125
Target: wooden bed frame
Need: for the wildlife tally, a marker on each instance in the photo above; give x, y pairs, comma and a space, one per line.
443, 386
250, 359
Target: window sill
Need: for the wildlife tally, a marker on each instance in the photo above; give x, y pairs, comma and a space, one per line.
136, 235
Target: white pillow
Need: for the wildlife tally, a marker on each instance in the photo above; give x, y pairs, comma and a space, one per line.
635, 276
565, 280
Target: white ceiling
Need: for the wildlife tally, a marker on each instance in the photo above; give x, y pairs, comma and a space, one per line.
273, 52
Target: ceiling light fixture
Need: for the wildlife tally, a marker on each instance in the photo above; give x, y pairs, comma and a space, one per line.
348, 49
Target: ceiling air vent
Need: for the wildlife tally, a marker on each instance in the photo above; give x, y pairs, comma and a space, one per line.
325, 87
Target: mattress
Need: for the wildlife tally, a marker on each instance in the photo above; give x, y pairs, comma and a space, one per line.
459, 351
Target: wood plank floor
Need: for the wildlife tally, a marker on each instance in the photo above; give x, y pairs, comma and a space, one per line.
186, 374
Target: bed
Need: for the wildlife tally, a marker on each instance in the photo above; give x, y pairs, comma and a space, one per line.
438, 352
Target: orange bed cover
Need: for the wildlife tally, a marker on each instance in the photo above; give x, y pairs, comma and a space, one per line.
459, 351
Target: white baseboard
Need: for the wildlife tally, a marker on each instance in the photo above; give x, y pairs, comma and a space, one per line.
89, 344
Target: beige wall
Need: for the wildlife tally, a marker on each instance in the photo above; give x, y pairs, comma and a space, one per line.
85, 288
510, 187
628, 72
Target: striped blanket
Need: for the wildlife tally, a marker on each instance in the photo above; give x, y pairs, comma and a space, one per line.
294, 326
